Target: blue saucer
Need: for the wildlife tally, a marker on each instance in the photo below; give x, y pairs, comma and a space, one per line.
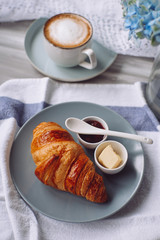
35, 51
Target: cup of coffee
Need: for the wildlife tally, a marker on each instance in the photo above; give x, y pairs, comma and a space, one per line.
67, 39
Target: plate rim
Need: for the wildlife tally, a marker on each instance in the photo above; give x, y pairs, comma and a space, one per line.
62, 219
36, 22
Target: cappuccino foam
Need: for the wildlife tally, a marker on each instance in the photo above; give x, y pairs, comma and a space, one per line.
67, 30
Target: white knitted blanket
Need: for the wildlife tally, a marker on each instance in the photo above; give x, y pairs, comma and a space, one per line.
105, 15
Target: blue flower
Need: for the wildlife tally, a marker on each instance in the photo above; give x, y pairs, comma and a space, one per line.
142, 19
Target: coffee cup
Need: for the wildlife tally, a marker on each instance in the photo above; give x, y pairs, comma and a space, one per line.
68, 40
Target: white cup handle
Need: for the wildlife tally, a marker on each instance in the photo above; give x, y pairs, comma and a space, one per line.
92, 58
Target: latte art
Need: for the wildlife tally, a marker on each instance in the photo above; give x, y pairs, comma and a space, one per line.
67, 30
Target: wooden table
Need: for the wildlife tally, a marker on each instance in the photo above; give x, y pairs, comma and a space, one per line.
15, 64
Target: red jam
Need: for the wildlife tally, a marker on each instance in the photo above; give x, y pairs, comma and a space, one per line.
93, 138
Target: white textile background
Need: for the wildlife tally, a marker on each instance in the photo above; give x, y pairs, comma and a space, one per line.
105, 15
138, 220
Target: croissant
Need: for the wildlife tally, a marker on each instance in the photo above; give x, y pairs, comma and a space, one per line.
63, 164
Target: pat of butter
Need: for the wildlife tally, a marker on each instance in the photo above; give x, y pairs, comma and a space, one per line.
109, 158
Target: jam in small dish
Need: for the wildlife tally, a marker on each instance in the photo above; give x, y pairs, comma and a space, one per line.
93, 138
92, 141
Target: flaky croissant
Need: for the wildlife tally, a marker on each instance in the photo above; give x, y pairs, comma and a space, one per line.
63, 164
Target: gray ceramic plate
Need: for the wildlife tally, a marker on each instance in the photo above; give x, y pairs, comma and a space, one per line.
62, 205
39, 59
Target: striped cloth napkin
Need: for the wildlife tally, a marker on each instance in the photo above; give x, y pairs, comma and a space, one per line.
20, 99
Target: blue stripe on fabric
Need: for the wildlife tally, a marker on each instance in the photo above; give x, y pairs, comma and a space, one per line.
141, 118
21, 112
